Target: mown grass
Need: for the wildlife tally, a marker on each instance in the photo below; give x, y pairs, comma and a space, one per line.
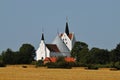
31, 73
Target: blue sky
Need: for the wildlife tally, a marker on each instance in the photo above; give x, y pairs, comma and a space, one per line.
96, 22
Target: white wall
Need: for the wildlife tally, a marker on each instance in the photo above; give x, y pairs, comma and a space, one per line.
67, 41
42, 52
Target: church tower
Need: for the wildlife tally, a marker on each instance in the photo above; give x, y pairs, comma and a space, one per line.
67, 37
67, 29
41, 51
42, 38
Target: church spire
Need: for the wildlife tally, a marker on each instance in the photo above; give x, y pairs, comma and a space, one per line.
67, 28
42, 38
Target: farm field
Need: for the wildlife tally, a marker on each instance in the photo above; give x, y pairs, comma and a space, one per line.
31, 73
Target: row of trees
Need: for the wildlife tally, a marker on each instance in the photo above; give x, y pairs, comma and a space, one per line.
25, 55
80, 51
96, 56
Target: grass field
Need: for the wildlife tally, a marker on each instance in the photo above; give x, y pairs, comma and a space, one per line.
31, 73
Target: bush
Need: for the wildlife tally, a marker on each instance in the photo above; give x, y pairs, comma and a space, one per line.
92, 66
39, 63
51, 65
104, 66
2, 64
66, 65
117, 65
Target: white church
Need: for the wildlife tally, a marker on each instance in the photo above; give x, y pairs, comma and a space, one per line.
61, 45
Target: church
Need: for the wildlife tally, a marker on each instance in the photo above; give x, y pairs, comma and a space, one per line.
61, 45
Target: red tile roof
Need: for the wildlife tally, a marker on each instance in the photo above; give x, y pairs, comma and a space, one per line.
70, 35
54, 59
52, 47
51, 59
69, 59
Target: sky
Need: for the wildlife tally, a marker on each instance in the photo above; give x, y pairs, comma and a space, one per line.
95, 22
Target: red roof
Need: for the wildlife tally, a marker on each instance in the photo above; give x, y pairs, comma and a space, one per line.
52, 47
54, 59
69, 59
70, 35
51, 59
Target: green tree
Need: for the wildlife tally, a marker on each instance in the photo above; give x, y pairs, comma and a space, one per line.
98, 56
8, 56
115, 55
83, 54
17, 57
0, 57
79, 51
26, 53
2, 64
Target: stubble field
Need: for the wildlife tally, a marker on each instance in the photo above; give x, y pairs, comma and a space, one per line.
31, 73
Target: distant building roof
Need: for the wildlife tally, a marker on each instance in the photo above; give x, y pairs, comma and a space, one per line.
70, 35
53, 47
69, 59
51, 59
54, 59
60, 44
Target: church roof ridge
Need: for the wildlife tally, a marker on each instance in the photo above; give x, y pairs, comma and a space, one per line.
60, 44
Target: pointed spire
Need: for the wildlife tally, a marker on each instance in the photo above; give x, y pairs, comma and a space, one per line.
67, 29
42, 38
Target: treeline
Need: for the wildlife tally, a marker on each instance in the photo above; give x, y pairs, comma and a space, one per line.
96, 57
91, 58
25, 55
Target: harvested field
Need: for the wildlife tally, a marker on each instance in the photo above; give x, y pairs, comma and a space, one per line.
31, 73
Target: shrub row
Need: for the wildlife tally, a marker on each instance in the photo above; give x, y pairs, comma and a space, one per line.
2, 64
66, 65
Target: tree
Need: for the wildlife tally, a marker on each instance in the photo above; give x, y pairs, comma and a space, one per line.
0, 57
79, 51
83, 54
8, 56
115, 55
98, 56
26, 53
2, 64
